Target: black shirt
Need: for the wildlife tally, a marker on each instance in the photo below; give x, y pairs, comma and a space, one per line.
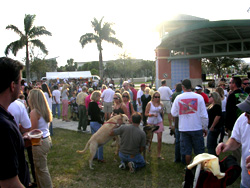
212, 113
95, 112
12, 158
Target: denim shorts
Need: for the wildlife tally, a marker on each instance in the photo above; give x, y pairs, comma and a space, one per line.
192, 139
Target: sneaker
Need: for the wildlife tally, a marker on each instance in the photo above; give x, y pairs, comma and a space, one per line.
85, 131
131, 166
122, 166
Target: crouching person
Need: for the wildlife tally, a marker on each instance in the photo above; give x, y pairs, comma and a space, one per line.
133, 142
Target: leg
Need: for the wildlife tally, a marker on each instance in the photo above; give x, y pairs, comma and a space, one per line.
80, 111
212, 141
84, 119
170, 119
159, 140
32, 167
54, 110
58, 110
177, 146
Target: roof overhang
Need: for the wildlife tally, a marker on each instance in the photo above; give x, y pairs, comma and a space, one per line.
204, 39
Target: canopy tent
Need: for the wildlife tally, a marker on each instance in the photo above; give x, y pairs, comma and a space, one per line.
67, 75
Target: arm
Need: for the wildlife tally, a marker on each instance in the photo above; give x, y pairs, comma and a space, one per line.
125, 110
34, 117
11, 183
231, 145
216, 120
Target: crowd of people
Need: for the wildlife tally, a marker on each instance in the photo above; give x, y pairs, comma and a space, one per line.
191, 114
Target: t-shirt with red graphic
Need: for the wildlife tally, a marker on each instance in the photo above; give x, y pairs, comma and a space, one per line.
191, 110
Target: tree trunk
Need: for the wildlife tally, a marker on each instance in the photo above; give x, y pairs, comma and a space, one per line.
27, 64
100, 65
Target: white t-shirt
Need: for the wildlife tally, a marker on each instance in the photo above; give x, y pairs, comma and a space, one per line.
49, 100
240, 133
18, 110
139, 94
108, 95
225, 93
165, 92
223, 104
192, 112
56, 94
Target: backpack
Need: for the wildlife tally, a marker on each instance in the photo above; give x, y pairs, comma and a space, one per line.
207, 180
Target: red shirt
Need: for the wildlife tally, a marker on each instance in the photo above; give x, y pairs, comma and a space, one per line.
134, 91
205, 97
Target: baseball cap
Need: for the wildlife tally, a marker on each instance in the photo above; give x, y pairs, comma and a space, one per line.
245, 105
110, 85
143, 85
90, 90
198, 87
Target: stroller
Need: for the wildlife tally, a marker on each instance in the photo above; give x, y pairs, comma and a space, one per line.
197, 178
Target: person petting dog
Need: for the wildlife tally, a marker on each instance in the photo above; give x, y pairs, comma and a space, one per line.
133, 142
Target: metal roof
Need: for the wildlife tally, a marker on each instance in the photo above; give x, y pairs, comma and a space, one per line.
203, 38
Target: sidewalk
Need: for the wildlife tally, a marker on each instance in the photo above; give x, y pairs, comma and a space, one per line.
72, 125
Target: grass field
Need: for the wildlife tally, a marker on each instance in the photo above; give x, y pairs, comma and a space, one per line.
70, 169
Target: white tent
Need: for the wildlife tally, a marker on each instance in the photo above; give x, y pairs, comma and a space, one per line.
67, 75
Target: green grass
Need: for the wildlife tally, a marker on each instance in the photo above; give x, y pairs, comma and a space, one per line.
70, 169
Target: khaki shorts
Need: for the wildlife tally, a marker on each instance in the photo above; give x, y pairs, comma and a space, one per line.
167, 106
107, 107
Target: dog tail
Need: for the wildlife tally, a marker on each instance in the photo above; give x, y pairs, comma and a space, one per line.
83, 151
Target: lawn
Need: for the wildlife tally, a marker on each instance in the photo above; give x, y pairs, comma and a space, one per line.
70, 169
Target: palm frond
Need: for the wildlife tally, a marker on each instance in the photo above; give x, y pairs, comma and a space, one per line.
88, 38
28, 22
39, 44
114, 41
15, 29
14, 47
107, 28
38, 31
97, 25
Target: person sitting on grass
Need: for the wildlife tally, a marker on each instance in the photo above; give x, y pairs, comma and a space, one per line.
133, 142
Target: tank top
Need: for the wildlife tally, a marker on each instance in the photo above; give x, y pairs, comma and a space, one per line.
127, 105
155, 110
43, 126
118, 111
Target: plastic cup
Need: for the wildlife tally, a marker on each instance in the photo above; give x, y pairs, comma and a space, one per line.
36, 137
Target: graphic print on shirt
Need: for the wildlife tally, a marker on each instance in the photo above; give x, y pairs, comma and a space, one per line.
188, 106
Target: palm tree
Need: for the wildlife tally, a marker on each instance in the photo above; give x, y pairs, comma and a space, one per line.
102, 33
27, 38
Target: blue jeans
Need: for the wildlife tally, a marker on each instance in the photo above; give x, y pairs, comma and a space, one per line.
178, 156
54, 107
212, 138
94, 126
192, 139
137, 159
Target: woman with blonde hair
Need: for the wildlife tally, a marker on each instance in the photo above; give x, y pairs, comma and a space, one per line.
128, 104
214, 121
223, 109
154, 111
96, 120
65, 102
40, 117
119, 106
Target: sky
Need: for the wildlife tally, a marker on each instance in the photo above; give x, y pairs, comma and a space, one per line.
135, 23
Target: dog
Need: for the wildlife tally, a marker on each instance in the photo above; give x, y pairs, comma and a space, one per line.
149, 130
102, 136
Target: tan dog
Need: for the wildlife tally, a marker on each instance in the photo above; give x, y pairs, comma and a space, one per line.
102, 136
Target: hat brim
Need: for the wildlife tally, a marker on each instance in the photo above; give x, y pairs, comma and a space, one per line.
244, 106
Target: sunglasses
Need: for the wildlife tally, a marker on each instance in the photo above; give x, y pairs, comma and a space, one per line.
157, 97
115, 98
246, 83
125, 96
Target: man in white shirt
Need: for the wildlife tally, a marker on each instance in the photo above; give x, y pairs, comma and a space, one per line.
56, 94
193, 120
166, 93
139, 94
240, 139
107, 99
18, 110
